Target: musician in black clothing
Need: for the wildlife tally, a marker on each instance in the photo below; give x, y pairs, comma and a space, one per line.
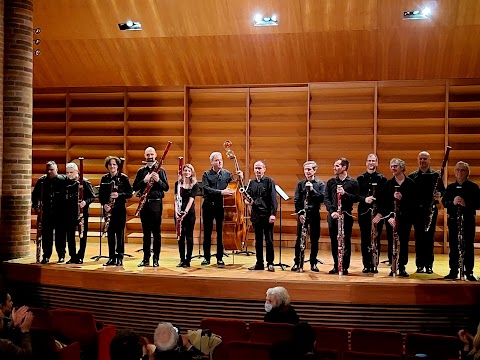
53, 214
348, 188
264, 210
151, 213
115, 188
463, 195
72, 209
365, 208
406, 196
316, 193
215, 182
186, 213
425, 181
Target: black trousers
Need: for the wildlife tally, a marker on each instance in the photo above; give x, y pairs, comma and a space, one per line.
347, 230
365, 222
116, 233
404, 228
151, 218
424, 241
72, 226
83, 240
49, 224
186, 237
313, 223
209, 214
264, 230
469, 239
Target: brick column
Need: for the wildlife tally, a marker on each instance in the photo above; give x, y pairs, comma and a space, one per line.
17, 129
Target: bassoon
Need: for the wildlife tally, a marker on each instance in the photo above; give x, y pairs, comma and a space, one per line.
81, 220
461, 240
340, 233
433, 205
303, 234
38, 238
156, 168
114, 184
396, 239
374, 232
178, 199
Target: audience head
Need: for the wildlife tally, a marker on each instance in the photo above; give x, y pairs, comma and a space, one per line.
304, 337
165, 337
276, 297
476, 344
6, 303
126, 345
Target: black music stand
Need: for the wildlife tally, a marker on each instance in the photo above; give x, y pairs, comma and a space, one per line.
96, 190
284, 196
200, 193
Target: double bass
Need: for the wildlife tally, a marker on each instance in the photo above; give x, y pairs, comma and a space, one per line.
235, 228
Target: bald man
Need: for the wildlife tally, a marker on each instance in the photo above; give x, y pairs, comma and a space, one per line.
151, 213
425, 182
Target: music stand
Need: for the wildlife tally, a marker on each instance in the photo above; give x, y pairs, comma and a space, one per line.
200, 193
284, 196
96, 190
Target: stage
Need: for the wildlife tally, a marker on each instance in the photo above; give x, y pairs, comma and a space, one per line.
130, 296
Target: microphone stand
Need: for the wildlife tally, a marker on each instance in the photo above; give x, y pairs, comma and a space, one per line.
284, 196
99, 256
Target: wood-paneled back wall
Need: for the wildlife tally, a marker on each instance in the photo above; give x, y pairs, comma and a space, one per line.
285, 125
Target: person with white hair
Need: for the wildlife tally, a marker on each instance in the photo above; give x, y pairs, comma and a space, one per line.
73, 206
170, 345
278, 308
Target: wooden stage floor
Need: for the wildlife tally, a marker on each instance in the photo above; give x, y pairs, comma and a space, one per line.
235, 291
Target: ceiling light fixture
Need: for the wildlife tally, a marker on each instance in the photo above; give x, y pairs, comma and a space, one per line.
130, 25
260, 20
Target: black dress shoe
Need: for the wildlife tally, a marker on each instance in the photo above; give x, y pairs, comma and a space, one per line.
205, 262
451, 276
45, 260
374, 270
345, 272
391, 273
270, 268
180, 264
429, 270
220, 263
420, 270
314, 268
119, 262
155, 263
61, 260
470, 277
144, 263
294, 267
110, 262
366, 270
256, 267
80, 261
333, 271
186, 264
403, 273
71, 261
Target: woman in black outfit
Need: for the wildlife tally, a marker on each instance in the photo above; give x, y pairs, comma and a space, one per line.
278, 308
185, 213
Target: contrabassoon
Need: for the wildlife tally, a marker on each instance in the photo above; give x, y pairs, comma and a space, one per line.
81, 220
374, 232
178, 198
156, 168
396, 238
433, 205
111, 203
340, 233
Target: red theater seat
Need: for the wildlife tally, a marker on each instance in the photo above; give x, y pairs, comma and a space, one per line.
355, 355
264, 332
245, 350
377, 341
229, 330
331, 338
436, 347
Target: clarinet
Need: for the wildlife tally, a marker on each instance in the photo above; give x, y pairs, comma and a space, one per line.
178, 199
114, 184
374, 232
340, 234
80, 219
461, 241
303, 234
396, 239
433, 205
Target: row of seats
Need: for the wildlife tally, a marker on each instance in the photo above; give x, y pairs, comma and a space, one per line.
332, 342
81, 334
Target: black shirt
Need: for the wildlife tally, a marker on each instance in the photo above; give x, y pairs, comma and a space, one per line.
315, 199
264, 196
406, 204
124, 189
158, 188
213, 184
54, 194
365, 182
350, 197
282, 314
72, 195
426, 182
186, 194
470, 193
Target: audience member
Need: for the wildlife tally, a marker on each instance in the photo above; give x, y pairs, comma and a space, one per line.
126, 345
301, 347
278, 308
19, 348
172, 346
471, 348
12, 318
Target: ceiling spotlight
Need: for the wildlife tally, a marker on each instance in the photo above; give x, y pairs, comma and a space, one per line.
37, 41
38, 31
37, 52
260, 20
130, 25
418, 14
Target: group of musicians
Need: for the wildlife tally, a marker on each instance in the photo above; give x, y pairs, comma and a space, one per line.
398, 203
